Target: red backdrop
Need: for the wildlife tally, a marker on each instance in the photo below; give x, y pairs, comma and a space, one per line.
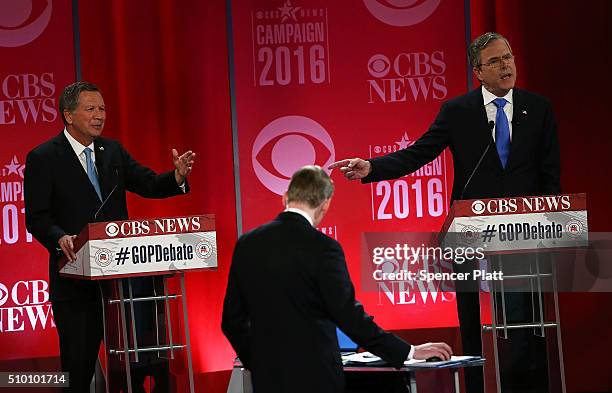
306, 93
164, 74
29, 91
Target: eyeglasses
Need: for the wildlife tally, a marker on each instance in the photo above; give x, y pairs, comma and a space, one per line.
497, 62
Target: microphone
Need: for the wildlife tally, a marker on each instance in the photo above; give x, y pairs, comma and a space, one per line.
484, 153
116, 169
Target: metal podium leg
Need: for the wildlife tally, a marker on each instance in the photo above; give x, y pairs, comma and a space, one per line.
494, 333
247, 381
456, 378
413, 385
105, 338
540, 300
503, 301
168, 319
187, 336
133, 321
558, 320
156, 313
125, 337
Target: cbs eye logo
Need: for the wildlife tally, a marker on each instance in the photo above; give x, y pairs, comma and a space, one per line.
112, 229
401, 13
478, 207
19, 23
379, 66
285, 145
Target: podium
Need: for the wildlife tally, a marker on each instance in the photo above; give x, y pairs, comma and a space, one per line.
110, 252
520, 237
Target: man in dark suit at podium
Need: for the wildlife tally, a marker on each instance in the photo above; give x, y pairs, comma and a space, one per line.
504, 143
287, 290
66, 181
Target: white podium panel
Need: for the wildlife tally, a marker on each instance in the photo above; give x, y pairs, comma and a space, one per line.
144, 247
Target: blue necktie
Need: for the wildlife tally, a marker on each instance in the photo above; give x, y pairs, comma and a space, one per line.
502, 131
91, 172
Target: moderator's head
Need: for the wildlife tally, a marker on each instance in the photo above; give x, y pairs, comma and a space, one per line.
310, 185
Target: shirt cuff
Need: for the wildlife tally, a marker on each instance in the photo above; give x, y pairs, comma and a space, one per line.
411, 353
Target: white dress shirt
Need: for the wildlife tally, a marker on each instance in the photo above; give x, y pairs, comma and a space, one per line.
79, 150
491, 108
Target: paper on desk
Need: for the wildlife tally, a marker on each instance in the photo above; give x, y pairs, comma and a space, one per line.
367, 357
362, 357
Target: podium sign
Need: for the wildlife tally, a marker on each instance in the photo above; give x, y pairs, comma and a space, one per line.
143, 247
518, 224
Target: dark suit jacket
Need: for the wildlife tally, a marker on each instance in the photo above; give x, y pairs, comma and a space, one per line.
533, 165
288, 288
60, 199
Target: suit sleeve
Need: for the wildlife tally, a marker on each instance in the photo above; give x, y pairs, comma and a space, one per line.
550, 166
38, 190
424, 150
234, 321
339, 299
145, 182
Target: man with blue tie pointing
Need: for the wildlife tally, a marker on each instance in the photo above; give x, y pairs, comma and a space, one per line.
504, 143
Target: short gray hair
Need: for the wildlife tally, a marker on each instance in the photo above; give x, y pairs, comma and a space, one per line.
480, 43
69, 100
310, 184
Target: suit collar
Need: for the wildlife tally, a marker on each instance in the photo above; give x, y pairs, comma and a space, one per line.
474, 98
488, 97
287, 216
76, 145
103, 166
482, 128
519, 116
519, 132
301, 213
71, 166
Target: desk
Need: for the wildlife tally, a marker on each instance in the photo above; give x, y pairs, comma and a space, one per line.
240, 381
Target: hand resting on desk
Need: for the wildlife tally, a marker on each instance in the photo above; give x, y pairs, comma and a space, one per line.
427, 350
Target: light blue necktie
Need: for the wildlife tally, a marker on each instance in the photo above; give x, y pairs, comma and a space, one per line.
502, 131
91, 172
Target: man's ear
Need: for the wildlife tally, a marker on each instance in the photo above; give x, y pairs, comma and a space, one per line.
476, 72
285, 198
68, 117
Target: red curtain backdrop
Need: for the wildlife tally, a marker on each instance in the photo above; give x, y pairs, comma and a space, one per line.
163, 72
